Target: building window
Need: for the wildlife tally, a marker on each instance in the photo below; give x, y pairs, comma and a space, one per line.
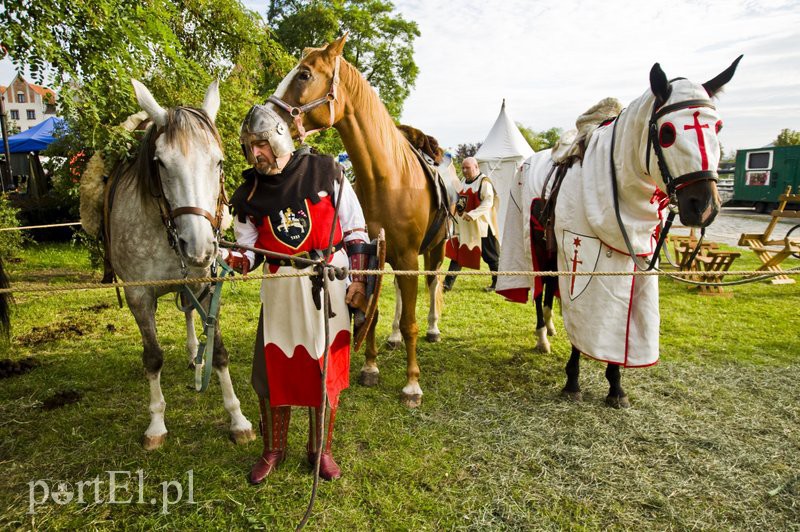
14, 114
31, 114
20, 97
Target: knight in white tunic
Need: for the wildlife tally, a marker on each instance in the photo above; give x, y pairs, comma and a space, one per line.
287, 204
476, 234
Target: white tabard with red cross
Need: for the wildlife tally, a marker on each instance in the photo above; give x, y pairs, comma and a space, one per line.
614, 319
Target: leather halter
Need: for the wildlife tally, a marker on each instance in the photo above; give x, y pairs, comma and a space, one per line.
297, 112
673, 183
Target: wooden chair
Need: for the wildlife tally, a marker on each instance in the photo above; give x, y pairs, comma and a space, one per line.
710, 258
772, 252
715, 261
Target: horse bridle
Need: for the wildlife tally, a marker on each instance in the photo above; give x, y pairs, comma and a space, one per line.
673, 183
297, 112
168, 214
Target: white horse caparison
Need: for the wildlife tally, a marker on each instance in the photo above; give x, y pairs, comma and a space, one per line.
662, 148
179, 159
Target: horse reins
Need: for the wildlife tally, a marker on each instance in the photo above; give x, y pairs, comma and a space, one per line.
297, 112
673, 183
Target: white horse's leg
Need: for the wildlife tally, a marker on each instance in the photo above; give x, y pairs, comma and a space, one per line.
191, 338
143, 304
548, 319
241, 428
434, 295
396, 338
156, 432
542, 343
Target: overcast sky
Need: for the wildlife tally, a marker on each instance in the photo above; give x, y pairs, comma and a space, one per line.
552, 60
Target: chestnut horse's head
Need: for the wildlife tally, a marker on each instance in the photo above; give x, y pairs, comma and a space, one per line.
682, 138
310, 94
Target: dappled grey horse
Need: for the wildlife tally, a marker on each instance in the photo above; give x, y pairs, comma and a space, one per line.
166, 209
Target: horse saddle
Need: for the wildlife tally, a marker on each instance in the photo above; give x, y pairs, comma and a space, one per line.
446, 197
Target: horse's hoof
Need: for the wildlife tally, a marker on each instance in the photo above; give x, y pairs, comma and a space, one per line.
615, 401
152, 443
551, 331
542, 348
411, 400
391, 344
190, 366
575, 397
433, 337
368, 378
240, 437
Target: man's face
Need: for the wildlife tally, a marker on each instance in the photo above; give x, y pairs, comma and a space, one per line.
469, 169
265, 159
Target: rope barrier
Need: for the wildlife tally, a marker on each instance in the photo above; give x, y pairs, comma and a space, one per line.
400, 273
25, 228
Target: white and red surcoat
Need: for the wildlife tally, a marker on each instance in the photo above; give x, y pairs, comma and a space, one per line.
293, 328
481, 204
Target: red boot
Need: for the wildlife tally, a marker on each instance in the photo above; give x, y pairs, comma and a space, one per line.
274, 427
328, 468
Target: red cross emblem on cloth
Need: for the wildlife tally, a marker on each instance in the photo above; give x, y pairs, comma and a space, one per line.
580, 254
700, 139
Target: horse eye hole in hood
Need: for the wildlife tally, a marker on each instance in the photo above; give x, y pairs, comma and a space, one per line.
666, 135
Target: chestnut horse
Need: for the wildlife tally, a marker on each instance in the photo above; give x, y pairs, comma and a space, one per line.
324, 90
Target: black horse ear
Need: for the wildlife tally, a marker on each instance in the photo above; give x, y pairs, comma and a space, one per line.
713, 86
659, 84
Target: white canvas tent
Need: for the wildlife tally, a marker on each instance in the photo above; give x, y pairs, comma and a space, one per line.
500, 155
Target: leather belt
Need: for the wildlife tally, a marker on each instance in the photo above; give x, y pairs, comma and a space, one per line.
314, 254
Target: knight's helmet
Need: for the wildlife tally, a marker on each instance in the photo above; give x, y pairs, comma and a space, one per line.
263, 123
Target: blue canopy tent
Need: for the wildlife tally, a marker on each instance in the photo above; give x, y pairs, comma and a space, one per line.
25, 147
36, 138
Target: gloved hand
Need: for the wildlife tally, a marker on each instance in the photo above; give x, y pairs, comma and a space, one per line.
239, 262
356, 296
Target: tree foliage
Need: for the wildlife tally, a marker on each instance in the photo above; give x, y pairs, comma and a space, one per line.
466, 150
89, 50
540, 140
788, 137
380, 42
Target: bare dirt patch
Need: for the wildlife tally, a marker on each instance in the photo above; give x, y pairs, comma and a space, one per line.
12, 368
97, 308
56, 331
61, 398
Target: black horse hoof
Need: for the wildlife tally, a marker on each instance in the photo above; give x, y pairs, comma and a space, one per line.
616, 401
433, 338
575, 397
368, 379
393, 345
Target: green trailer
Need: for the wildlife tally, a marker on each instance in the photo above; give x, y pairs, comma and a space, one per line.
762, 174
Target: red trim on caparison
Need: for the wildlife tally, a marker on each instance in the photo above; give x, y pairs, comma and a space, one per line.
515, 295
598, 359
628, 321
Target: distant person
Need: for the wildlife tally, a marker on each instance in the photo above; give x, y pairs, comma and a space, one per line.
476, 225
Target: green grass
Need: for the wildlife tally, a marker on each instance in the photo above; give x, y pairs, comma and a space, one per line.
712, 440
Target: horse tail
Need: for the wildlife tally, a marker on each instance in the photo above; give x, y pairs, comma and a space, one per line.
5, 303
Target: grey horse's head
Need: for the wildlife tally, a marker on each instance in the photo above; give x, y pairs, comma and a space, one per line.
188, 156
